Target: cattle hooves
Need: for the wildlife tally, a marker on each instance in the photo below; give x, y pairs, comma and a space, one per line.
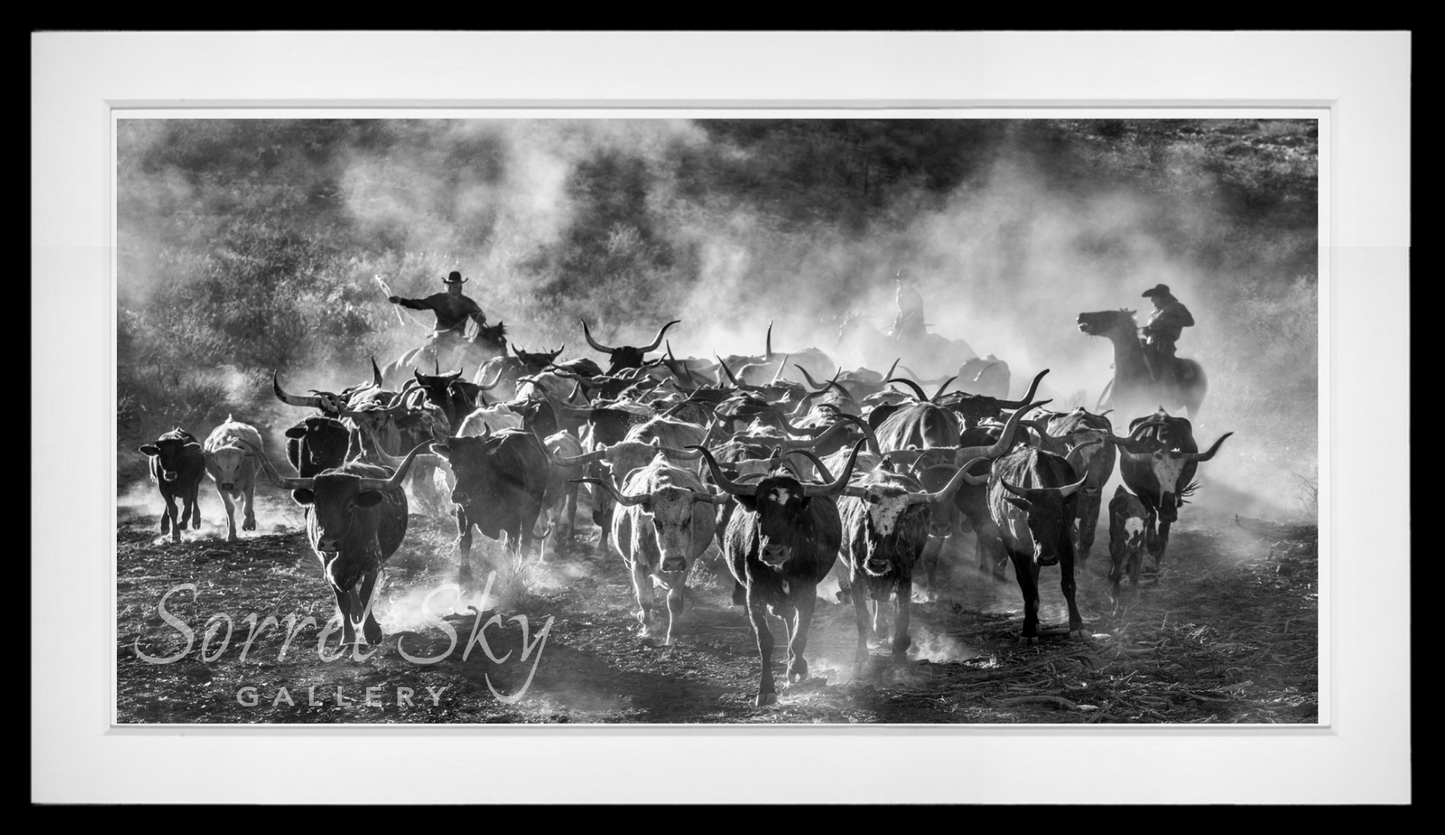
765, 699
1079, 635
1028, 642
249, 525
647, 641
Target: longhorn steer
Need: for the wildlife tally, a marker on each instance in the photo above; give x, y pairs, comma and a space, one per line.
625, 356
1079, 430
885, 518
233, 469
501, 481
782, 541
177, 466
664, 521
356, 520
1032, 496
1158, 462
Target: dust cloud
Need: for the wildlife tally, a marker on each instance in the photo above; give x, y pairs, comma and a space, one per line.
1006, 261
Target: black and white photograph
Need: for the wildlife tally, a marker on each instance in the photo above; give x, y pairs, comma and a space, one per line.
968, 423
809, 420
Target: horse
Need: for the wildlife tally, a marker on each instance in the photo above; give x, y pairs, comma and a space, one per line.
446, 350
931, 355
1134, 389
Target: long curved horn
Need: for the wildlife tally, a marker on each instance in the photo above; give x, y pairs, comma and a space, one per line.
565, 410
917, 389
658, 339
1069, 489
736, 384
1205, 456
817, 389
946, 495
867, 431
934, 399
375, 373
1130, 441
1017, 491
672, 365
400, 474
682, 454
817, 462
781, 366
291, 399
276, 478
1033, 387
630, 501
811, 432
437, 364
827, 435
718, 478
768, 343
578, 460
1005, 440
496, 381
596, 346
893, 367
837, 485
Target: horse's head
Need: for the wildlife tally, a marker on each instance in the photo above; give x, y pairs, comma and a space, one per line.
491, 337
1107, 322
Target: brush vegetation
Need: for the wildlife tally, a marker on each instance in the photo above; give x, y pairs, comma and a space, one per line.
250, 246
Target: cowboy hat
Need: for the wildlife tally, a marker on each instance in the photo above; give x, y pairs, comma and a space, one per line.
1158, 290
454, 278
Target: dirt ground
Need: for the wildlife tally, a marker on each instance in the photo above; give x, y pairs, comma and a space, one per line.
1229, 634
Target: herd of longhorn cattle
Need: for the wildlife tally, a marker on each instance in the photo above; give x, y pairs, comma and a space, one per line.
678, 457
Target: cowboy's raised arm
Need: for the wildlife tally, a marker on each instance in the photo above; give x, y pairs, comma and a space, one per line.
428, 303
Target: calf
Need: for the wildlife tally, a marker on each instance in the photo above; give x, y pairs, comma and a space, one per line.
663, 522
782, 541
177, 466
233, 469
1032, 498
356, 519
1128, 522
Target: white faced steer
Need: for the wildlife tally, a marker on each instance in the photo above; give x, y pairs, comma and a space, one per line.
663, 522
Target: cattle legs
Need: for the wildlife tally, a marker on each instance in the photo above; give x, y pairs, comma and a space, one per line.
353, 607
193, 506
1066, 584
230, 506
798, 635
170, 519
902, 609
860, 614
758, 616
249, 492
464, 548
675, 595
1027, 572
642, 585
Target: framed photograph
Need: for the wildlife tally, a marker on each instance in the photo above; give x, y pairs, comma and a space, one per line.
601, 420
